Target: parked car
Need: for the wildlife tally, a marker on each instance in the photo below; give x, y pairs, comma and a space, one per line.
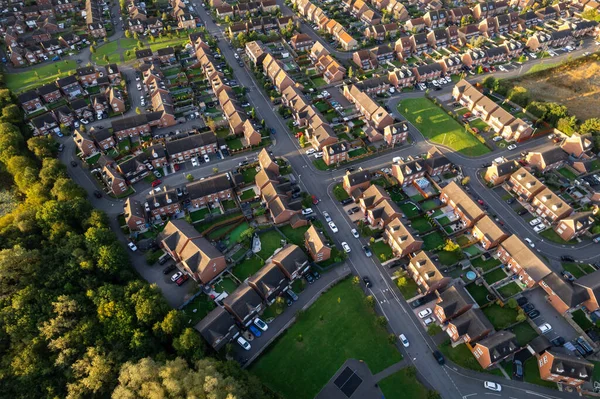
292, 295
535, 221
518, 369
545, 328
367, 282
511, 147
243, 343
326, 216
169, 268
346, 247
404, 340
533, 314
206, 158
567, 275
310, 151
254, 330
315, 274
354, 233
528, 307
73, 164
567, 258
367, 250
157, 174
176, 276
195, 162
346, 201
428, 321
307, 211
333, 227
522, 301
439, 357
424, 313
558, 341
261, 324
531, 244
309, 278
315, 200
492, 386
97, 193
132, 246
539, 228
156, 183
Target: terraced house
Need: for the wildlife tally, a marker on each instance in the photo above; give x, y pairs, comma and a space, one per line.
452, 302
316, 244
162, 203
522, 261
488, 233
495, 348
524, 184
425, 272
408, 171
467, 210
401, 238
469, 327
210, 190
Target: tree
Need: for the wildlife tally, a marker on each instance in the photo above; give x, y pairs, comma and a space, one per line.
590, 126
419, 119
451, 246
382, 321
479, 70
105, 58
369, 300
93, 372
567, 125
520, 317
512, 303
489, 82
350, 72
42, 146
93, 49
189, 177
189, 344
392, 339
519, 95
247, 234
302, 141
128, 34
355, 280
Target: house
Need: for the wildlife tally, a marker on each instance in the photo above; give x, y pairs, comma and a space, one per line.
103, 138
282, 210
96, 30
498, 173
244, 304
436, 162
529, 19
424, 271
495, 348
84, 144
451, 65
218, 328
577, 146
467, 33
401, 238
474, 57
545, 161
435, 18
355, 183
469, 327
201, 260
144, 55
133, 168
408, 171
211, 190
336, 153
70, 86
484, 108
30, 101
49, 92
157, 156
113, 73
455, 15
115, 99
372, 197
131, 126
383, 213
395, 134
183, 149
364, 60
44, 124
301, 42
591, 283
87, 75
525, 185
321, 136
114, 180
347, 42
266, 162
382, 53
550, 206
166, 55
419, 43
135, 215
332, 71
561, 366
316, 244
562, 294
415, 25
255, 52
269, 282
373, 112
517, 130
374, 86
522, 261
467, 210
292, 261
488, 233
438, 38
574, 226
452, 302
404, 47
401, 78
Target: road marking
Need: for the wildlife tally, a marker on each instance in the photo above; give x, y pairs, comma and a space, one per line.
471, 394
495, 394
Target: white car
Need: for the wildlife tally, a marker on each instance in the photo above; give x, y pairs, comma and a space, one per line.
195, 162
428, 321
206, 158
539, 228
346, 247
139, 87
545, 328
492, 386
424, 313
261, 324
404, 340
532, 55
333, 227
326, 216
512, 147
497, 138
176, 276
531, 244
243, 343
132, 246
435, 83
142, 102
354, 233
310, 151
535, 221
319, 155
501, 67
307, 211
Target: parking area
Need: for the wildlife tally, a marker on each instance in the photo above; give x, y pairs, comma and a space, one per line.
560, 327
354, 212
423, 309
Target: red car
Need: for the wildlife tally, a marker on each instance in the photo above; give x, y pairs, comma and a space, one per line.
182, 279
475, 130
156, 182
176, 167
315, 200
486, 69
480, 202
467, 115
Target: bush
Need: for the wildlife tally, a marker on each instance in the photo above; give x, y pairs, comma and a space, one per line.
153, 256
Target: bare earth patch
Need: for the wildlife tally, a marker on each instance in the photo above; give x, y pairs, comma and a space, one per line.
578, 88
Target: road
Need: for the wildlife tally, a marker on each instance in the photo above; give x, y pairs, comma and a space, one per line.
450, 380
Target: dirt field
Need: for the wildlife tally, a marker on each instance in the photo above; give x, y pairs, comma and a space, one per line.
577, 87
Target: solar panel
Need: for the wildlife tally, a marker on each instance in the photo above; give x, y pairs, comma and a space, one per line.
351, 385
343, 377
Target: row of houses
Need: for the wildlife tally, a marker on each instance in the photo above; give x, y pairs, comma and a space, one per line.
325, 65
244, 8
360, 10
239, 309
316, 15
40, 46
94, 17
260, 25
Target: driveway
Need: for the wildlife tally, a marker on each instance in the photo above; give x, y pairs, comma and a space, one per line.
560, 327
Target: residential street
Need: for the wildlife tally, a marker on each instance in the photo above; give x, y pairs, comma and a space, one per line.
450, 380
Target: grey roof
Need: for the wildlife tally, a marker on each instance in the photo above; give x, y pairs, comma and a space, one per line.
269, 280
212, 185
495, 51
591, 281
472, 322
554, 155
243, 300
79, 104
290, 258
568, 365
47, 88
190, 142
453, 299
86, 70
506, 168
217, 328
100, 134
129, 122
43, 119
571, 295
500, 345
436, 161
539, 344
28, 96
143, 53
66, 81
359, 177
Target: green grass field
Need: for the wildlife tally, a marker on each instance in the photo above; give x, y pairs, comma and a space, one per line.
432, 240
402, 385
524, 332
321, 340
381, 248
295, 236
494, 276
509, 290
26, 80
269, 241
439, 127
248, 267
108, 49
478, 292
500, 317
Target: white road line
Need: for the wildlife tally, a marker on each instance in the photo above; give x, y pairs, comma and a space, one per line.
471, 394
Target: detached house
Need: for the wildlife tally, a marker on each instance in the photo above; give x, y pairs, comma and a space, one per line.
44, 124
30, 101
495, 348
336, 153
498, 173
574, 226
426, 274
85, 144
408, 171
218, 328
522, 261
355, 183
561, 366
545, 161
436, 162
316, 244
562, 294
395, 134
135, 215
577, 146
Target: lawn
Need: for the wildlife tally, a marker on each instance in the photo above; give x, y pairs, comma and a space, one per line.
248, 267
432, 240
551, 235
228, 204
199, 214
494, 276
339, 193
462, 240
509, 290
295, 236
318, 82
582, 321
566, 172
532, 373
249, 174
21, 81
485, 265
500, 317
421, 224
479, 293
460, 355
429, 204
202, 305
381, 248
524, 332
439, 127
410, 289
107, 49
574, 269
321, 340
234, 235
473, 250
401, 385
227, 284
409, 209
448, 258
269, 241
357, 152
247, 195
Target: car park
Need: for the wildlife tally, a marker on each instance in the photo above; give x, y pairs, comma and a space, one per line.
261, 324
333, 227
367, 250
132, 246
424, 313
492, 386
176, 276
404, 340
531, 244
367, 282
354, 233
243, 343
346, 247
254, 330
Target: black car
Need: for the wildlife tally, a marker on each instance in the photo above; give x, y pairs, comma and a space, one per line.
316, 274
367, 251
518, 369
367, 282
522, 212
98, 194
350, 169
528, 307
163, 259
355, 209
288, 302
559, 341
169, 269
309, 278
567, 258
486, 165
510, 201
346, 201
439, 357
73, 163
533, 314
522, 301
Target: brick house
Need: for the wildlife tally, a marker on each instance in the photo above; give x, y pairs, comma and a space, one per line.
87, 75
468, 211
575, 225
427, 72
316, 244
563, 367
355, 183
103, 138
401, 78
201, 260
131, 126
408, 171
524, 184
577, 146
401, 239
157, 156
210, 190
550, 206
561, 294
267, 162
545, 161
373, 112
163, 203
452, 302
336, 153
488, 233
516, 130
395, 134
218, 328
380, 215
301, 42
436, 162
114, 180
183, 149
44, 124
269, 282
469, 327
591, 283
30, 101
495, 348
371, 197
135, 215
115, 99
498, 173
426, 274
244, 304
70, 86
96, 30
133, 168
522, 261
84, 143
